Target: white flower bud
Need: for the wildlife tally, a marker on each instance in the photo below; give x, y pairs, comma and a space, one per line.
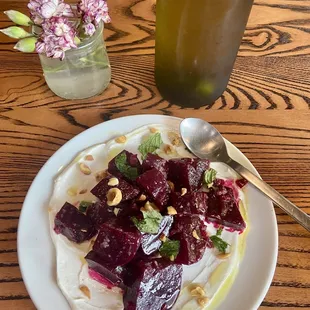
18, 18
26, 45
16, 32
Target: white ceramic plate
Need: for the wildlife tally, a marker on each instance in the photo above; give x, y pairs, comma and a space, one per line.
36, 252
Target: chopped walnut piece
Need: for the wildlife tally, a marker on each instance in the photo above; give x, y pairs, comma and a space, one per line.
171, 211
84, 169
121, 139
85, 291
174, 138
223, 255
202, 301
89, 157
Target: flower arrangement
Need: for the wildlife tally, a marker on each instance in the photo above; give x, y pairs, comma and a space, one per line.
61, 26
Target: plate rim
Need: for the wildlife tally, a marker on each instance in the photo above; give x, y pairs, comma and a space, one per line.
260, 297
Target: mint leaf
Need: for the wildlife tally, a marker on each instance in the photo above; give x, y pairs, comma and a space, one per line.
152, 143
219, 243
150, 223
209, 177
124, 168
84, 205
170, 249
219, 231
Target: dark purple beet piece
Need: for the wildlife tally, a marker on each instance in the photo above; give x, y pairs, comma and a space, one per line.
132, 160
111, 273
154, 161
100, 212
155, 186
187, 172
190, 203
128, 191
151, 243
117, 242
128, 210
191, 248
241, 183
153, 285
73, 224
223, 208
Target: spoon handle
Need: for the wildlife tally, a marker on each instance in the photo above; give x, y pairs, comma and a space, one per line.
300, 216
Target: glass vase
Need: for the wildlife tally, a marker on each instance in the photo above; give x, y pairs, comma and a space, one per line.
83, 73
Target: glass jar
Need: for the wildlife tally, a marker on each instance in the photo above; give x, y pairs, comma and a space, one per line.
83, 73
196, 46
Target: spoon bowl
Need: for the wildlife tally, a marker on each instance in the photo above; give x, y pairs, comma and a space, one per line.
204, 141
194, 132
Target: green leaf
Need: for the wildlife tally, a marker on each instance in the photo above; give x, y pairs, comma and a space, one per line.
84, 205
170, 248
124, 168
150, 223
16, 32
219, 231
151, 144
209, 177
219, 243
18, 18
26, 45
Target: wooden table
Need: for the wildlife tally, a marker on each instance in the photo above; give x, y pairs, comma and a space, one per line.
264, 112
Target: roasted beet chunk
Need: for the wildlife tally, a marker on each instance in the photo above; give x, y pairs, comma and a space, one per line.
73, 224
150, 242
154, 161
112, 274
99, 213
128, 191
190, 231
223, 208
128, 210
117, 242
132, 160
187, 172
153, 285
155, 186
190, 203
241, 183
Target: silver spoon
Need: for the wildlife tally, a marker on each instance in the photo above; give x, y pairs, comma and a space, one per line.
204, 141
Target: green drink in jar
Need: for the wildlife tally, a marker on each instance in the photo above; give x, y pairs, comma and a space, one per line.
197, 42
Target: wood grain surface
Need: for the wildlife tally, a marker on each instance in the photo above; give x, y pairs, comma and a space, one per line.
272, 72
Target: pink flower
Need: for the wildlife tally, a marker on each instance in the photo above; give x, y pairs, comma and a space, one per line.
57, 37
89, 29
42, 9
93, 12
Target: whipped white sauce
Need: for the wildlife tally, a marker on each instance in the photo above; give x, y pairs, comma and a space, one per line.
213, 274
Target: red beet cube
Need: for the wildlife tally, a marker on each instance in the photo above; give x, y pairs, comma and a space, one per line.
187, 172
155, 186
73, 224
100, 212
110, 273
184, 229
128, 210
241, 183
154, 161
151, 242
117, 242
128, 191
153, 285
223, 208
132, 160
190, 203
